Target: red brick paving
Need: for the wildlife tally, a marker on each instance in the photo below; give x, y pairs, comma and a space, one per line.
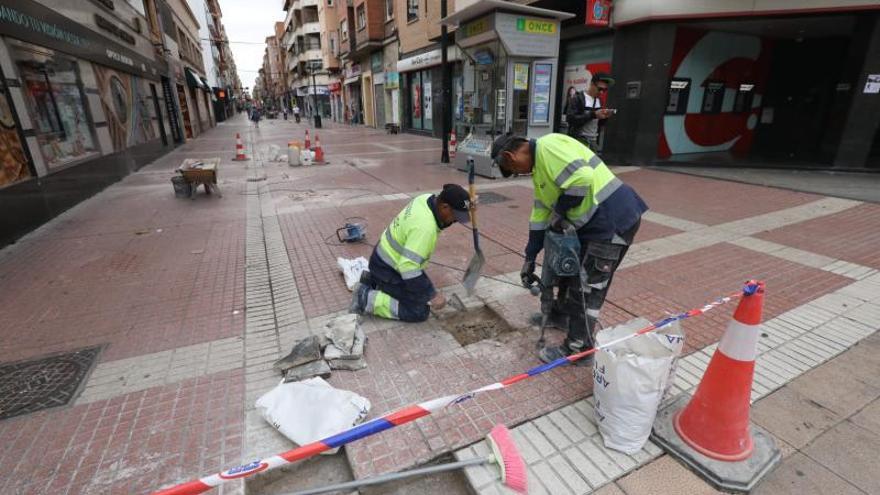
852, 235
709, 201
133, 443
685, 281
104, 274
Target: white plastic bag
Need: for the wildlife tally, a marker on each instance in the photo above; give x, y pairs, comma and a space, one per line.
312, 409
352, 269
630, 379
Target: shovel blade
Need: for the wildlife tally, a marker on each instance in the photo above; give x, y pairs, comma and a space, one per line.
472, 274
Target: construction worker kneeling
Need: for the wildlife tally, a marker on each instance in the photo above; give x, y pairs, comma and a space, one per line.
396, 285
577, 197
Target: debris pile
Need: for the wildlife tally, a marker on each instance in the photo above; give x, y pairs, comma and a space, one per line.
340, 348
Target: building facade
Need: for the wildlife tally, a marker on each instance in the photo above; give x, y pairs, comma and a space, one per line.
219, 65
731, 83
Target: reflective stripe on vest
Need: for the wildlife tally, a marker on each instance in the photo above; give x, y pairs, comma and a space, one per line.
572, 167
398, 248
414, 257
602, 195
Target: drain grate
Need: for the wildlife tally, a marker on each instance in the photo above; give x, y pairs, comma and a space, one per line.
42, 383
489, 197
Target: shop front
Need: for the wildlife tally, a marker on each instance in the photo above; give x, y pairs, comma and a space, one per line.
353, 111
312, 97
77, 113
508, 77
420, 76
336, 104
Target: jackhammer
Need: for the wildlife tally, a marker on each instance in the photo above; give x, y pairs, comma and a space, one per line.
561, 259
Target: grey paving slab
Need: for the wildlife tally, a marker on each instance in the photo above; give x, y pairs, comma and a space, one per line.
801, 475
850, 451
793, 417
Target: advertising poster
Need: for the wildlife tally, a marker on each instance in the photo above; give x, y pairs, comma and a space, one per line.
125, 105
598, 13
541, 95
13, 161
520, 76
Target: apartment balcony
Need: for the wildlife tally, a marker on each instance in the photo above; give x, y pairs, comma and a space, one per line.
311, 28
309, 3
295, 5
312, 54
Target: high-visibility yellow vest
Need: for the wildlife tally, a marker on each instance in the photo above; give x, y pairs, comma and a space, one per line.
565, 166
408, 243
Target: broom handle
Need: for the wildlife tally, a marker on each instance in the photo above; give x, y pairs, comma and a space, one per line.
384, 478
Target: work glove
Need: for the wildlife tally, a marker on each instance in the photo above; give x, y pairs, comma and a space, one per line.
558, 223
527, 273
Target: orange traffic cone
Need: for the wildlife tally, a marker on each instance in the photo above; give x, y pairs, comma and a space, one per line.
239, 149
715, 422
452, 144
712, 433
319, 152
308, 143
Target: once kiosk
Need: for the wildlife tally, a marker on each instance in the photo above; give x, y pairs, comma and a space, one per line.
508, 78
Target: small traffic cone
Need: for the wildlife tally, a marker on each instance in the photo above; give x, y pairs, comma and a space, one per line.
239, 149
308, 143
319, 152
452, 144
715, 422
711, 433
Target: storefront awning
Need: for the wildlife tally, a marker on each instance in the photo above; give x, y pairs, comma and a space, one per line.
193, 80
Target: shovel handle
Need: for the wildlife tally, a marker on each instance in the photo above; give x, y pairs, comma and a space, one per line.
473, 209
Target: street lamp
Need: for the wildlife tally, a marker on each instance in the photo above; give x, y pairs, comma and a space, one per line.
315, 112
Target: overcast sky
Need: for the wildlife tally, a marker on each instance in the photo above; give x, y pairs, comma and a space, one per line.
250, 21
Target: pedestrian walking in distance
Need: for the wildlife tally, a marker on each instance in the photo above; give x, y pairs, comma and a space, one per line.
396, 285
574, 189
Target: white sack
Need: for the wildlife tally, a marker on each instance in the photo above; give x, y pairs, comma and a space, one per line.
630, 380
352, 269
312, 409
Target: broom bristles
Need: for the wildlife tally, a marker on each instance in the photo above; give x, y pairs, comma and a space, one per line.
513, 468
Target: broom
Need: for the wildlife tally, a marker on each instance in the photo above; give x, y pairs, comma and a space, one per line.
504, 454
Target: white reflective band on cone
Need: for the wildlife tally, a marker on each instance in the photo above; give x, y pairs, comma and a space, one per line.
740, 341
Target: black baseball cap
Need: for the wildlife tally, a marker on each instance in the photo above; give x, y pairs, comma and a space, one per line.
459, 199
504, 142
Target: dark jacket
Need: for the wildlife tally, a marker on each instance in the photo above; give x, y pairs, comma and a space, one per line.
577, 115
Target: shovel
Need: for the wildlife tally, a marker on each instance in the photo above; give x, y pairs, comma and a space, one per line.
476, 265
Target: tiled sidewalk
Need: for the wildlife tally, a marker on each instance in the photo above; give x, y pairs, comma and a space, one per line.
564, 450
193, 300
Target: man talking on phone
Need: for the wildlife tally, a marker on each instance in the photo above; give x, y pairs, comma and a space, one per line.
584, 117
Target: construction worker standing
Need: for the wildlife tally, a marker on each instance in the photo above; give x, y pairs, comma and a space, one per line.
574, 189
396, 285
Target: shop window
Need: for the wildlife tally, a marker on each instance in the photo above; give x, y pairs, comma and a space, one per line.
57, 105
677, 101
412, 10
14, 163
713, 96
744, 95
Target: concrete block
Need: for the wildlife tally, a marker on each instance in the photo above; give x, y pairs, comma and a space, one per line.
310, 370
305, 351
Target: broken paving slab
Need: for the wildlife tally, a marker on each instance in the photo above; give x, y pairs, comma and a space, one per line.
305, 351
348, 364
341, 331
332, 352
310, 370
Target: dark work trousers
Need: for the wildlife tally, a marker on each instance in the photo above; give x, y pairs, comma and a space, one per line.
412, 304
582, 299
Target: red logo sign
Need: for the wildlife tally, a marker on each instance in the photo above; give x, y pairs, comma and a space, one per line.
598, 13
